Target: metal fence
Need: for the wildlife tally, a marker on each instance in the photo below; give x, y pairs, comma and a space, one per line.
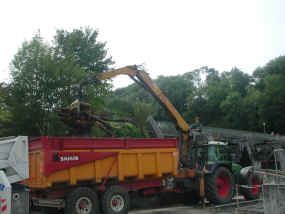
274, 186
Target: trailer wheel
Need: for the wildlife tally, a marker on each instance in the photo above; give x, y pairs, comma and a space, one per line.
253, 191
220, 186
82, 200
115, 200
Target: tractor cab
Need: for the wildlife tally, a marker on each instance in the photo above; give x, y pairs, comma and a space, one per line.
221, 163
208, 156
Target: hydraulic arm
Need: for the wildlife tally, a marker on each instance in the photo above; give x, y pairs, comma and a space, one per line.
142, 78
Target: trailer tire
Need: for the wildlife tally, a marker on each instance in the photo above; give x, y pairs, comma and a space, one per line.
220, 186
116, 200
82, 199
254, 190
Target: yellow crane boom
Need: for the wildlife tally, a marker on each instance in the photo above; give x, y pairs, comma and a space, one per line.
142, 77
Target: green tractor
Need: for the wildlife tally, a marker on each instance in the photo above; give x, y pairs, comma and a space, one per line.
225, 167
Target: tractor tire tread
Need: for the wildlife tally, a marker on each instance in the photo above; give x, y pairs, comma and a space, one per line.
247, 192
211, 189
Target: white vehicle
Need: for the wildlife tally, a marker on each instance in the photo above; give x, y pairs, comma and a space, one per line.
14, 168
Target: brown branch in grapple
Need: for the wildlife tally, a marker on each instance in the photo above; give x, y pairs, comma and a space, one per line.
80, 118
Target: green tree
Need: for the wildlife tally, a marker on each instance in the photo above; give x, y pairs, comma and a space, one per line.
205, 98
273, 103
233, 110
217, 88
90, 55
269, 82
251, 108
239, 81
176, 89
136, 112
128, 130
41, 82
140, 113
5, 114
275, 66
43, 79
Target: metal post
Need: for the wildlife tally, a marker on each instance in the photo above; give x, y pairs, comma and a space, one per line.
237, 202
264, 124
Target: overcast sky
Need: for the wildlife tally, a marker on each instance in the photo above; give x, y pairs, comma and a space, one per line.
169, 37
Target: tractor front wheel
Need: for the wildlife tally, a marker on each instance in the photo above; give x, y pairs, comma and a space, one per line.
220, 186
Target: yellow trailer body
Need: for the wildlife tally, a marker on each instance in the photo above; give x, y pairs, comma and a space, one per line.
73, 161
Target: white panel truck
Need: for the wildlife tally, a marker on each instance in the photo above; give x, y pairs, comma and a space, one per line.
14, 168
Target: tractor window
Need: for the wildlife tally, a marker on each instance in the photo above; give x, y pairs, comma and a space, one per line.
217, 153
201, 153
223, 153
212, 154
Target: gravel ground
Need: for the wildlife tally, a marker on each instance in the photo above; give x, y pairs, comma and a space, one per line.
173, 210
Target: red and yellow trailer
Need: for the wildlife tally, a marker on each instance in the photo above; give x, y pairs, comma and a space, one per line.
72, 172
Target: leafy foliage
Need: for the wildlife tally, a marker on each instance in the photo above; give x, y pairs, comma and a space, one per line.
136, 112
41, 82
229, 99
44, 76
5, 114
90, 55
273, 102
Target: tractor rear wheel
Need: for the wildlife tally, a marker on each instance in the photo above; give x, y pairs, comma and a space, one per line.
220, 186
252, 188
